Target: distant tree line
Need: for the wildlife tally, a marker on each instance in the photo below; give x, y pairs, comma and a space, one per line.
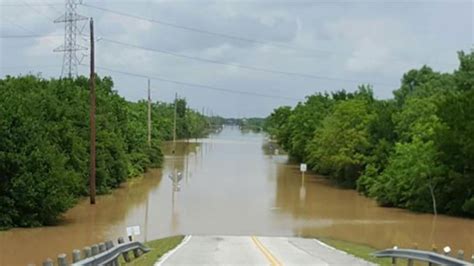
254, 124
246, 124
44, 143
414, 151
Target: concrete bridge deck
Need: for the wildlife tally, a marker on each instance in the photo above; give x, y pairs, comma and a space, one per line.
251, 250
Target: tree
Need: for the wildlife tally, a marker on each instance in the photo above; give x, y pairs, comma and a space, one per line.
415, 151
340, 146
410, 178
277, 125
44, 147
304, 120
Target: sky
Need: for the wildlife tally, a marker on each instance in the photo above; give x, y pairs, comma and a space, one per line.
242, 58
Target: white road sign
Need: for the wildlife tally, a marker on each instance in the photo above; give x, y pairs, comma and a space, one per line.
303, 167
136, 230
133, 230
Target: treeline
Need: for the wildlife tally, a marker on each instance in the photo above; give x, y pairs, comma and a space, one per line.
44, 143
246, 124
414, 151
254, 124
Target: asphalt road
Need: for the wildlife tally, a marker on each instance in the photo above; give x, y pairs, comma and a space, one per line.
247, 250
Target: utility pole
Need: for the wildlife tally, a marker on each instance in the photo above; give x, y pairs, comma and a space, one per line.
149, 114
174, 125
92, 117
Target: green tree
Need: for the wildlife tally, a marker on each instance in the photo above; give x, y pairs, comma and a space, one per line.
44, 147
340, 146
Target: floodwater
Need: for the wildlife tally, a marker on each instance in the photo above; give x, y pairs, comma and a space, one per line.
231, 185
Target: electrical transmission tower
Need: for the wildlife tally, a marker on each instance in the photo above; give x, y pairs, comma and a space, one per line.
70, 46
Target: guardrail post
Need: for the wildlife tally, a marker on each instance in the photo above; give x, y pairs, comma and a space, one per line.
62, 260
424, 256
435, 250
48, 262
76, 255
102, 247
410, 261
87, 252
109, 245
94, 249
136, 253
394, 260
446, 250
125, 254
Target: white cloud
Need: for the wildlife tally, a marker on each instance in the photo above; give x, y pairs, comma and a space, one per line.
371, 43
368, 56
363, 41
44, 46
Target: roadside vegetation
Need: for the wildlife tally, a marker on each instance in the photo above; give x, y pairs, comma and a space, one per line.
44, 143
413, 151
158, 248
358, 250
254, 124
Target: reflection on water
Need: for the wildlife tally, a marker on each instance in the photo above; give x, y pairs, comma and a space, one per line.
233, 184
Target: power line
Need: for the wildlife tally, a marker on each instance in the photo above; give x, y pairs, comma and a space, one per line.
182, 27
48, 18
19, 26
253, 68
189, 84
30, 4
223, 35
31, 36
28, 66
273, 2
314, 52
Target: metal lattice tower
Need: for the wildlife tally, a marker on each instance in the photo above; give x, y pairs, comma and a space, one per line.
70, 46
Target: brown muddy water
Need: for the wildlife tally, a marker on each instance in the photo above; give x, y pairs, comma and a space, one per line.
232, 186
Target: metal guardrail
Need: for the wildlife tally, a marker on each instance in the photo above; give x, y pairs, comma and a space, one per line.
104, 253
108, 257
426, 256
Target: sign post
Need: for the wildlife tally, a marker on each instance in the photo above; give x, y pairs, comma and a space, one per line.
133, 231
303, 168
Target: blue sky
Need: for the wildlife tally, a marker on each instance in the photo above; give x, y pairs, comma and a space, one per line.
338, 44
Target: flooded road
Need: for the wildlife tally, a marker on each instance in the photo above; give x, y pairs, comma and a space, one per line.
231, 186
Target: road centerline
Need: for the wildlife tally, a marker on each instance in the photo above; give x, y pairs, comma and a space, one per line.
273, 261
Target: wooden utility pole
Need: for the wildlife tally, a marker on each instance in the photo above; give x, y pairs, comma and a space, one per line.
149, 114
174, 125
92, 118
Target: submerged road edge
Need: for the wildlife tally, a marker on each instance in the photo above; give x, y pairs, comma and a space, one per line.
171, 252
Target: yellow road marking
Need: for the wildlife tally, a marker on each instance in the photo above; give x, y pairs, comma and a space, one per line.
273, 261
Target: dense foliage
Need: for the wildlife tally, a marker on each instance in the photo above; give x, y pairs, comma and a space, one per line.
44, 143
254, 124
414, 151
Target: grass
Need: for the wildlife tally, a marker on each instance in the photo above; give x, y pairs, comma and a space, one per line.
358, 250
158, 248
